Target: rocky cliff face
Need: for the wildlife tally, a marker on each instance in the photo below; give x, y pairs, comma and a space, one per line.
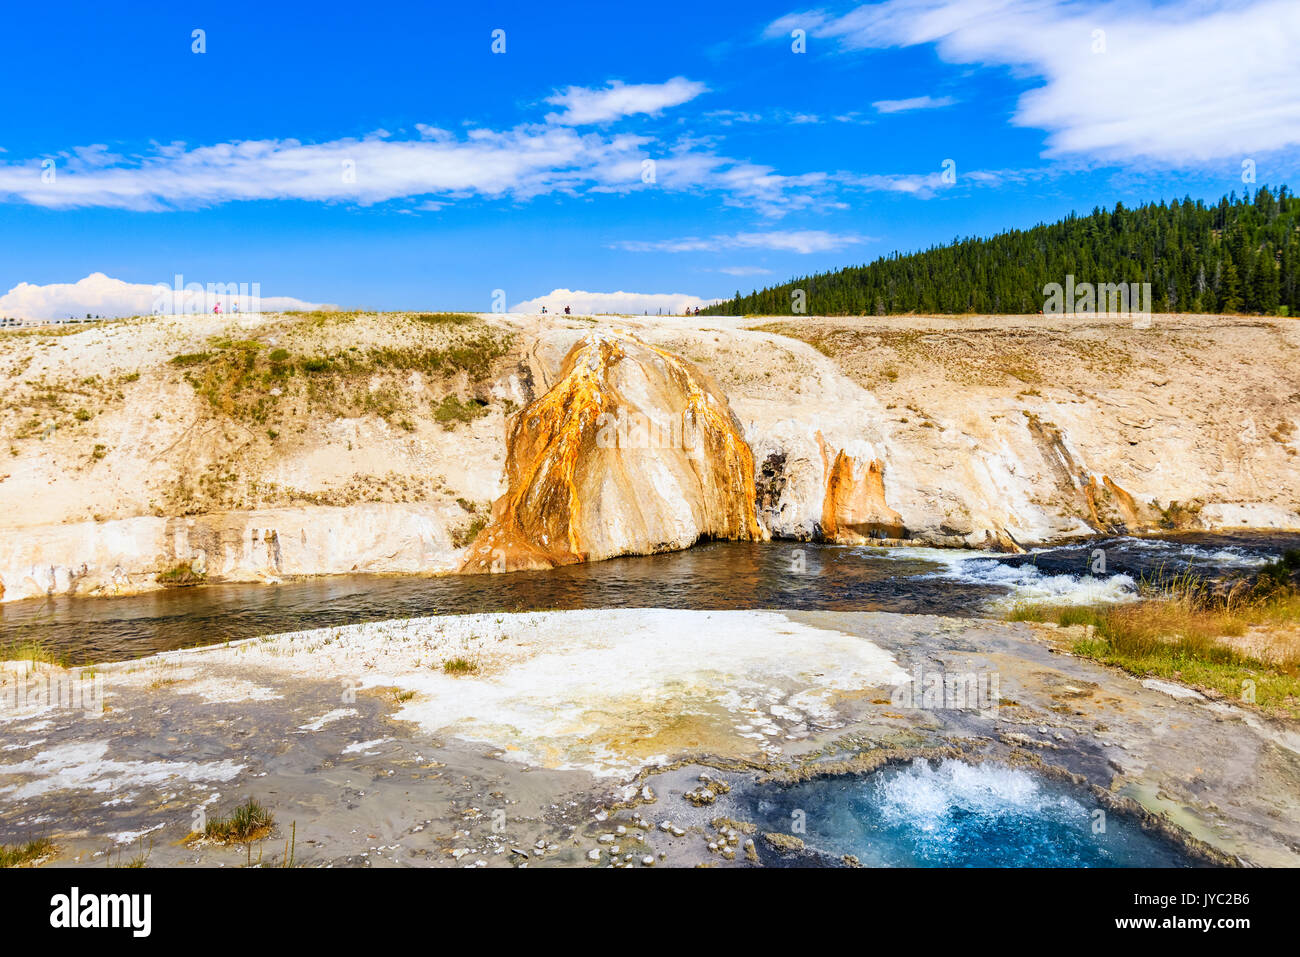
301, 445
853, 504
1012, 431
632, 450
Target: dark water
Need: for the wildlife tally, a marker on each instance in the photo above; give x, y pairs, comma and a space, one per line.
1204, 554
958, 815
719, 575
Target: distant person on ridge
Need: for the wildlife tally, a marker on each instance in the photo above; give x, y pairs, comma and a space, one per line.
566, 310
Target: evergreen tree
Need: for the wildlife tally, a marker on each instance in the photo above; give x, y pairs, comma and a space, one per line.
1230, 289
1240, 254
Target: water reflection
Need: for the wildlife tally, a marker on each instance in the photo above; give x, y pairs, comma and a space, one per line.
718, 575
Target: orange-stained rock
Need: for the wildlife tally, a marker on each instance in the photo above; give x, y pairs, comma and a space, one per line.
632, 451
854, 508
1124, 502
1130, 515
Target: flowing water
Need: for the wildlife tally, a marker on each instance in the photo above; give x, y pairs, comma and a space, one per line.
956, 814
716, 575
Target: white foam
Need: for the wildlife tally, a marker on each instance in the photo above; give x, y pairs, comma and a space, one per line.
926, 796
1024, 582
1027, 583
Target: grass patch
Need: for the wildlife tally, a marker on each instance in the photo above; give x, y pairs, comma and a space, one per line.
459, 666
181, 576
1281, 574
249, 382
32, 650
451, 410
21, 854
1180, 629
1177, 515
462, 536
248, 822
190, 359
445, 318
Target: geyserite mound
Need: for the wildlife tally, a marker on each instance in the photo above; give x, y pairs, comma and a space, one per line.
632, 451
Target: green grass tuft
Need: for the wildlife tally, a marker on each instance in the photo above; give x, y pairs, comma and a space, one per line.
21, 854
459, 666
248, 822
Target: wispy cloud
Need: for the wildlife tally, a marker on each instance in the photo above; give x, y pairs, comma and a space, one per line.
785, 117
793, 240
429, 169
583, 105
1175, 84
913, 103
613, 303
102, 295
745, 270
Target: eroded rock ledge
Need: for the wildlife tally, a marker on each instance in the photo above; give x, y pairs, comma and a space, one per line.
632, 451
984, 432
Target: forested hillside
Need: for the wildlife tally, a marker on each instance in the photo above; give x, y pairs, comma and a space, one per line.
1241, 255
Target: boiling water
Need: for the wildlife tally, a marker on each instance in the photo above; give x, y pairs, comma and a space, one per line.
956, 814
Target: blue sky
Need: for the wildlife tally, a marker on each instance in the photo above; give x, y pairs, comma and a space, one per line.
525, 170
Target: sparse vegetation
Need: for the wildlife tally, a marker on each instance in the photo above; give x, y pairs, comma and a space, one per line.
1221, 641
459, 666
462, 536
140, 860
33, 650
21, 854
180, 576
445, 318
190, 359
452, 410
249, 381
248, 822
1177, 515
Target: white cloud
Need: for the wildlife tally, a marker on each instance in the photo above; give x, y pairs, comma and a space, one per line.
793, 240
913, 103
730, 117
613, 303
583, 105
1177, 84
745, 270
438, 167
433, 168
782, 117
101, 295
522, 162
